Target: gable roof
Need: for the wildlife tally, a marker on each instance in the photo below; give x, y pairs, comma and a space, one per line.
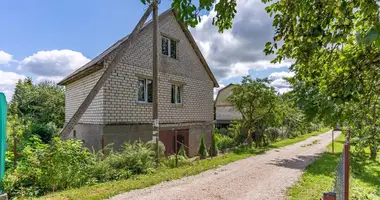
221, 90
95, 64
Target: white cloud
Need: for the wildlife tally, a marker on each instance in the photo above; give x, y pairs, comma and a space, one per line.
8, 81
5, 58
280, 75
54, 63
278, 81
55, 79
236, 51
216, 90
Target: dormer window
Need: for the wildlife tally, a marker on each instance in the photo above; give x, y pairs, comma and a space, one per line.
169, 47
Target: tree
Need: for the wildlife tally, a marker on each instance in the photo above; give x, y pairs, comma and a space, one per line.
213, 147
41, 105
335, 48
203, 148
257, 102
189, 11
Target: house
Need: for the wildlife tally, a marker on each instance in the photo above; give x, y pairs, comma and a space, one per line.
122, 110
225, 112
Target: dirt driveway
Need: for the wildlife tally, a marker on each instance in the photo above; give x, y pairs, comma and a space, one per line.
261, 177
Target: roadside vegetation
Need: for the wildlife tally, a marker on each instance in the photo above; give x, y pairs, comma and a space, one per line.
44, 163
166, 173
319, 176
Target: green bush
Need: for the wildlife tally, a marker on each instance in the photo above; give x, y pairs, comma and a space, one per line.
170, 162
202, 148
161, 149
103, 171
182, 152
224, 143
213, 147
272, 134
43, 167
136, 157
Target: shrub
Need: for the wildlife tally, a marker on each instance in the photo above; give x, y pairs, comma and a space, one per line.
43, 167
213, 147
45, 131
170, 162
202, 148
223, 143
182, 152
161, 149
272, 134
103, 171
136, 157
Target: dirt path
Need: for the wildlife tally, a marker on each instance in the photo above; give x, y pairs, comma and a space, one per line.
265, 176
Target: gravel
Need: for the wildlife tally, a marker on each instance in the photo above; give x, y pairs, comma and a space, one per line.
265, 176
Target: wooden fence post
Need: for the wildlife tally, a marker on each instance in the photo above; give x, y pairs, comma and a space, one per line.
346, 169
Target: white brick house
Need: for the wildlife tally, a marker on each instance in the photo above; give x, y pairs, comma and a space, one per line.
122, 109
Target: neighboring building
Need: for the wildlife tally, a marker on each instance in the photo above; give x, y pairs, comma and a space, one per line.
225, 112
122, 110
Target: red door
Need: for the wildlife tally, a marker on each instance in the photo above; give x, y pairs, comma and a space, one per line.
168, 138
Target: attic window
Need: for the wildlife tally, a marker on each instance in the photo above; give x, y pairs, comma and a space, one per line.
169, 47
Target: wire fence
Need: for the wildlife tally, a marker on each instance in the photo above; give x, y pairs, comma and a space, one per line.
339, 179
342, 172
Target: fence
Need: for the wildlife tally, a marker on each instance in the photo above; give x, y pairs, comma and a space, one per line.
342, 175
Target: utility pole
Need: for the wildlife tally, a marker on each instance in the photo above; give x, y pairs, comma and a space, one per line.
156, 122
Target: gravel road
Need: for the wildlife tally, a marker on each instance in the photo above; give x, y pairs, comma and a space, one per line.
265, 176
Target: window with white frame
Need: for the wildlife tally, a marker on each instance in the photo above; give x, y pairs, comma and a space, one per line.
177, 94
169, 47
145, 90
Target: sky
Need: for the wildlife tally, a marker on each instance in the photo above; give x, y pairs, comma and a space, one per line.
49, 39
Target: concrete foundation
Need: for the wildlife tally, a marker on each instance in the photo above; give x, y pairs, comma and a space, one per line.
116, 135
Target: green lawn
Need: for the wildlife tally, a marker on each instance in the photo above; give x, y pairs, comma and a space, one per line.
319, 177
108, 189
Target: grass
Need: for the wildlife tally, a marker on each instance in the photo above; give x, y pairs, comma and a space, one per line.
319, 177
287, 142
108, 189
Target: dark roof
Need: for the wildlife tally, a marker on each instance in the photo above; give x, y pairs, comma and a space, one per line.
95, 64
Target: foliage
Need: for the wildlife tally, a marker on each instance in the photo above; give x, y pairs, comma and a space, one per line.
257, 102
272, 133
319, 177
171, 161
136, 157
189, 11
202, 148
161, 149
42, 103
335, 46
224, 142
105, 190
44, 167
213, 148
237, 133
182, 152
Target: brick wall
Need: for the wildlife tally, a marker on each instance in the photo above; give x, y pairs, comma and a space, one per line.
120, 91
75, 94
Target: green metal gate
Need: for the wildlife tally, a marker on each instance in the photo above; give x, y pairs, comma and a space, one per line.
3, 125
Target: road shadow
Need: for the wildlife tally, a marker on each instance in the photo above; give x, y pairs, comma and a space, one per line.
300, 162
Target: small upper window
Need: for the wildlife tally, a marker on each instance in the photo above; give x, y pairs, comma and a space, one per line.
145, 91
177, 94
169, 47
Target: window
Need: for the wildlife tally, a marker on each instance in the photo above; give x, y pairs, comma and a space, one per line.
145, 91
169, 47
177, 94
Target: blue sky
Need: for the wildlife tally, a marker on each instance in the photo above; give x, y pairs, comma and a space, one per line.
49, 39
